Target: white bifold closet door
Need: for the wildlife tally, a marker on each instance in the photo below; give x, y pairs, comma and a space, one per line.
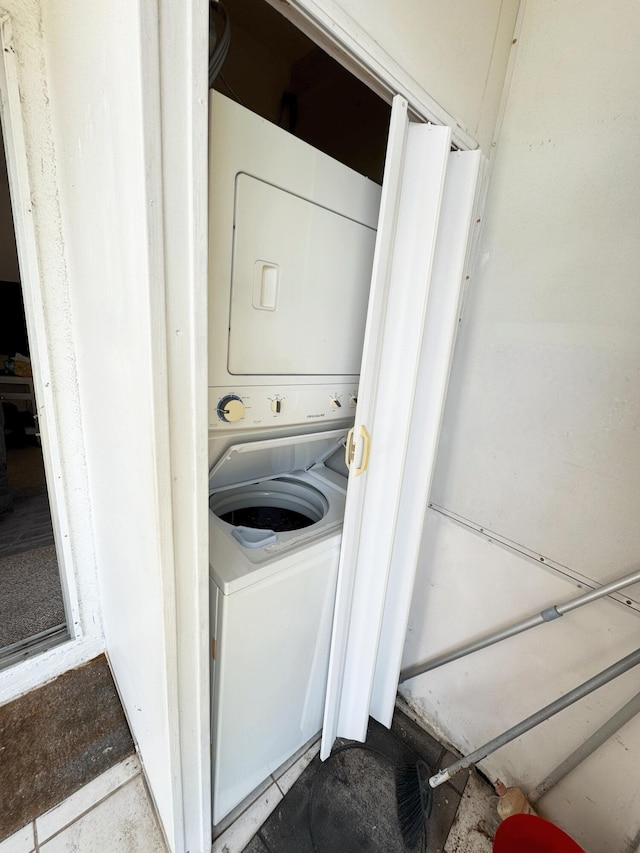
427, 201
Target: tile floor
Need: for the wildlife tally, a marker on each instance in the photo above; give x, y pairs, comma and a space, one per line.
111, 814
353, 807
235, 832
348, 803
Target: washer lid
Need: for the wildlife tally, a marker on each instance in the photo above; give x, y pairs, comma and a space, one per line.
260, 460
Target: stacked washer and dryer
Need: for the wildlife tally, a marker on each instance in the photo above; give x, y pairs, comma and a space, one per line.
292, 235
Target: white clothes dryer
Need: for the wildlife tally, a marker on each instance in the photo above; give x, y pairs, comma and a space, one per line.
292, 235
275, 525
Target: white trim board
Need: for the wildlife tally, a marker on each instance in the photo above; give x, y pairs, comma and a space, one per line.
184, 103
33, 672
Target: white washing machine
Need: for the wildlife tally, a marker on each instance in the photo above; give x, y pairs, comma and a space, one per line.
275, 523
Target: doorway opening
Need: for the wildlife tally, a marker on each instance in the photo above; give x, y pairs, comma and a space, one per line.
277, 72
32, 611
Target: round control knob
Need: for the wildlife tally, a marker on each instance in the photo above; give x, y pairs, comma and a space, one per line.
276, 405
230, 409
335, 402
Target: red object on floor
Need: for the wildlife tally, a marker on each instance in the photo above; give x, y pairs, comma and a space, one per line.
527, 833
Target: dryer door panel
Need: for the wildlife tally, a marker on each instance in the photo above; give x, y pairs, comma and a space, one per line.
300, 285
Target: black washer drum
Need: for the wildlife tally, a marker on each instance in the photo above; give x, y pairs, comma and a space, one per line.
281, 505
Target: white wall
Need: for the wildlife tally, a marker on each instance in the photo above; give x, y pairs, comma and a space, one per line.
457, 51
88, 102
103, 77
540, 439
466, 586
539, 442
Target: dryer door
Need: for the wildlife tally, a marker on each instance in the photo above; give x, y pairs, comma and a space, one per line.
427, 199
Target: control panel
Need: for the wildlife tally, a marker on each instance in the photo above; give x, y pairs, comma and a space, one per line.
230, 408
268, 406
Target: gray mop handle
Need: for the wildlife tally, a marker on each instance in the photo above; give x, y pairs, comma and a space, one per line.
587, 748
540, 716
547, 615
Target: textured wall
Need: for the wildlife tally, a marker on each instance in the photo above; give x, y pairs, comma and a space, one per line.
539, 443
457, 51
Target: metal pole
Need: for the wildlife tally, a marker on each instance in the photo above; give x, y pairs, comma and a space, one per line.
547, 615
606, 730
540, 716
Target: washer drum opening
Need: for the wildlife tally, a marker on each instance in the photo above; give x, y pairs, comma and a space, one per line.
280, 505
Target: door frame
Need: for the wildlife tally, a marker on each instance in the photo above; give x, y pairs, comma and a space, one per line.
80, 600
182, 64
340, 36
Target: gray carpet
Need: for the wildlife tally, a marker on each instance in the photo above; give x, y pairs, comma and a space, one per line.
29, 525
30, 592
30, 595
